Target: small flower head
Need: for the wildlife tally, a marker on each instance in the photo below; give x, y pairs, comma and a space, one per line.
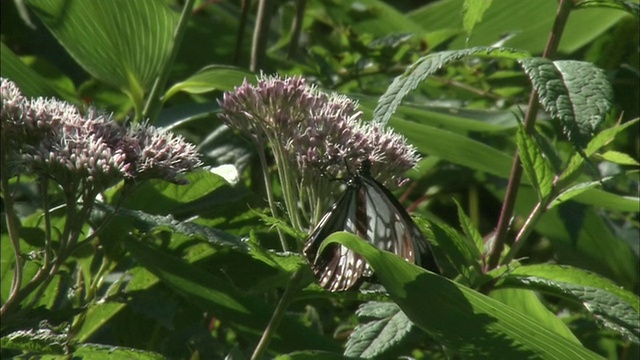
258, 110
12, 101
315, 136
54, 138
153, 153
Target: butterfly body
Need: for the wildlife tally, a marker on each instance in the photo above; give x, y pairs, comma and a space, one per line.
368, 210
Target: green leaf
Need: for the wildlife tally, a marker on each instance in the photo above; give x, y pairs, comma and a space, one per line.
524, 23
601, 139
613, 306
473, 11
590, 193
386, 328
377, 17
460, 252
246, 312
473, 235
312, 355
184, 113
608, 135
30, 83
422, 68
100, 352
573, 192
590, 91
576, 93
213, 77
41, 340
147, 223
31, 242
100, 313
458, 317
527, 302
123, 43
534, 164
159, 196
628, 6
458, 120
581, 236
454, 148
608, 200
619, 158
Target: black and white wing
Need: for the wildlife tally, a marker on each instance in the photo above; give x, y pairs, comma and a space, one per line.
368, 210
337, 268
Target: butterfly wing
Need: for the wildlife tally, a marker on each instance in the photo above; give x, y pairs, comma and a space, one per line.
370, 211
392, 229
337, 267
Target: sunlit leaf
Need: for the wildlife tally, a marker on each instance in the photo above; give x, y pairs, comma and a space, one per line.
613, 306
458, 317
575, 93
425, 66
534, 164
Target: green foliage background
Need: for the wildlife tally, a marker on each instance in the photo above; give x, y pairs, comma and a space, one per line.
196, 271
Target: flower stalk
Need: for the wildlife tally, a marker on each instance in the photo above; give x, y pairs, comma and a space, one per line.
82, 153
315, 137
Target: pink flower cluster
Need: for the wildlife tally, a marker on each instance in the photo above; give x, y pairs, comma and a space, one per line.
320, 134
52, 137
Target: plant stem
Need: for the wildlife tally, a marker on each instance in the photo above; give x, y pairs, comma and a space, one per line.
242, 26
564, 9
153, 105
284, 302
290, 193
270, 198
13, 230
260, 34
296, 28
48, 251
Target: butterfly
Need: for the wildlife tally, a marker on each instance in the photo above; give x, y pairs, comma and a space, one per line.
369, 210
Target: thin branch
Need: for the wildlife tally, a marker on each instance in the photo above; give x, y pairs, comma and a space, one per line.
270, 198
296, 28
278, 313
260, 34
154, 103
564, 9
13, 230
245, 5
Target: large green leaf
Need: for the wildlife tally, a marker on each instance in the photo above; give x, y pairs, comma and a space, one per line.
629, 6
526, 23
28, 81
123, 43
425, 66
613, 306
214, 77
99, 313
376, 17
383, 328
159, 196
527, 302
100, 351
581, 237
104, 352
454, 148
459, 120
462, 319
576, 93
473, 11
245, 311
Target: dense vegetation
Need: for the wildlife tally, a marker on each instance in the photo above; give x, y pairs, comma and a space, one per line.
117, 243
